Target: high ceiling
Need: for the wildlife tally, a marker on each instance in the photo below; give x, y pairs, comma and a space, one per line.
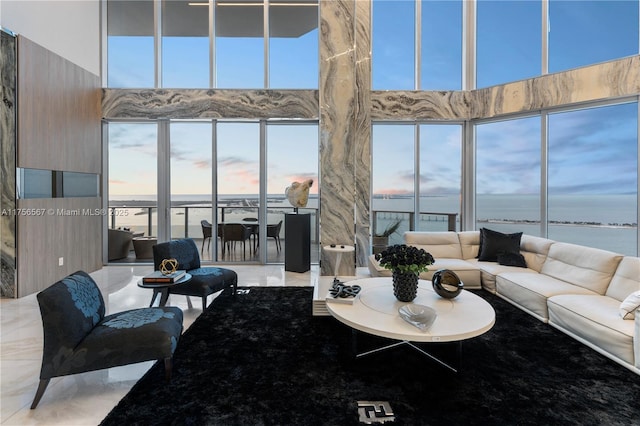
234, 18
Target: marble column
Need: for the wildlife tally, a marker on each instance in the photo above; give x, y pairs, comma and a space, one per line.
8, 67
345, 73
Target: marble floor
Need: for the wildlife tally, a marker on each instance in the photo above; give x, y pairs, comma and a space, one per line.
85, 399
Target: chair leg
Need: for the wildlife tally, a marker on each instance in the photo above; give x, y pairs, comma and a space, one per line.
204, 303
42, 386
168, 368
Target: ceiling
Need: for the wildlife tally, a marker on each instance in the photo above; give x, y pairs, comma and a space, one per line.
234, 18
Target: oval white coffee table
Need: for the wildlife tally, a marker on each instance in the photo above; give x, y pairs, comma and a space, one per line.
375, 311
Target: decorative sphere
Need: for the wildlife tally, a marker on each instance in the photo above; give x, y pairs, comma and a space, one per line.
446, 283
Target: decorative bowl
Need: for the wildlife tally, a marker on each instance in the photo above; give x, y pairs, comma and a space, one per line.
446, 283
418, 315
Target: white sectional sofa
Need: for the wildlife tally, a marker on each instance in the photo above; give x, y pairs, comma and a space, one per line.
578, 290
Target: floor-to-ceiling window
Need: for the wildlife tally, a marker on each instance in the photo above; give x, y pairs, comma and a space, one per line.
590, 175
393, 44
392, 178
238, 187
185, 45
417, 45
293, 45
440, 177
440, 45
239, 45
509, 45
220, 47
508, 167
133, 165
130, 44
586, 32
191, 180
292, 156
416, 177
593, 177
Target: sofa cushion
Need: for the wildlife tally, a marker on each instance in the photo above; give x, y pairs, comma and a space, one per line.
626, 280
594, 319
495, 243
534, 250
439, 244
489, 270
530, 291
630, 305
582, 266
469, 243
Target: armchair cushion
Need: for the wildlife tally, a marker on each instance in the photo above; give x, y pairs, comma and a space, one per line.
204, 281
70, 309
78, 337
184, 251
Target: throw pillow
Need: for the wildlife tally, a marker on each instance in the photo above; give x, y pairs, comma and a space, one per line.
480, 244
494, 243
512, 259
629, 306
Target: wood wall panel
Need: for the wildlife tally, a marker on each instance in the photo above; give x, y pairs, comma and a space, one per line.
59, 128
64, 229
59, 112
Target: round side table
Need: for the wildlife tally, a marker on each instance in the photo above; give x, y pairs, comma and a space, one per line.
338, 250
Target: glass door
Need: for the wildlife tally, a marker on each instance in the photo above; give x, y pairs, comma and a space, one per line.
191, 183
238, 189
133, 195
292, 156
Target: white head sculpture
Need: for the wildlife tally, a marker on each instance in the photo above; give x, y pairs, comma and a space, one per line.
298, 193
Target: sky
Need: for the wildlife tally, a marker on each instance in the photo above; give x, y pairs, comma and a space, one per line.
598, 145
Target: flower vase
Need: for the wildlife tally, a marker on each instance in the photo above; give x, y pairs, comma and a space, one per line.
405, 285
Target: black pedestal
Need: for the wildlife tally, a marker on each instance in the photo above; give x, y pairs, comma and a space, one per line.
297, 249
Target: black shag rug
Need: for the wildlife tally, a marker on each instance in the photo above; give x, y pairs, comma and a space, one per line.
262, 359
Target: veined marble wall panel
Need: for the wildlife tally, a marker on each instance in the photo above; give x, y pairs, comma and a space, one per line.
420, 105
337, 127
209, 103
8, 68
607, 80
362, 140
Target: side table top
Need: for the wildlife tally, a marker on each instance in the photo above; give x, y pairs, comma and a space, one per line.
339, 248
183, 279
375, 311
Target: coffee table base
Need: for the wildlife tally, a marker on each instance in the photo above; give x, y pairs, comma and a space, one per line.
412, 345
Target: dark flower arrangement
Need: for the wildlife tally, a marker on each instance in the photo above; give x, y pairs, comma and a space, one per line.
404, 258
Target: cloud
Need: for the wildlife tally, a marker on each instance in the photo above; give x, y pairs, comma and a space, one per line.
235, 161
202, 164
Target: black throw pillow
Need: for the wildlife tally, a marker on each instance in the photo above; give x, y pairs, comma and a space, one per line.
480, 244
495, 243
512, 259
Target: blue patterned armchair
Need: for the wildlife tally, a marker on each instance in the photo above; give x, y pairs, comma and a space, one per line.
78, 337
204, 281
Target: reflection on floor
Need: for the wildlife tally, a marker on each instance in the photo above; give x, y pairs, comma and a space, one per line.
85, 399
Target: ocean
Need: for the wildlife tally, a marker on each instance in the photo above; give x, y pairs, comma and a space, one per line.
609, 222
